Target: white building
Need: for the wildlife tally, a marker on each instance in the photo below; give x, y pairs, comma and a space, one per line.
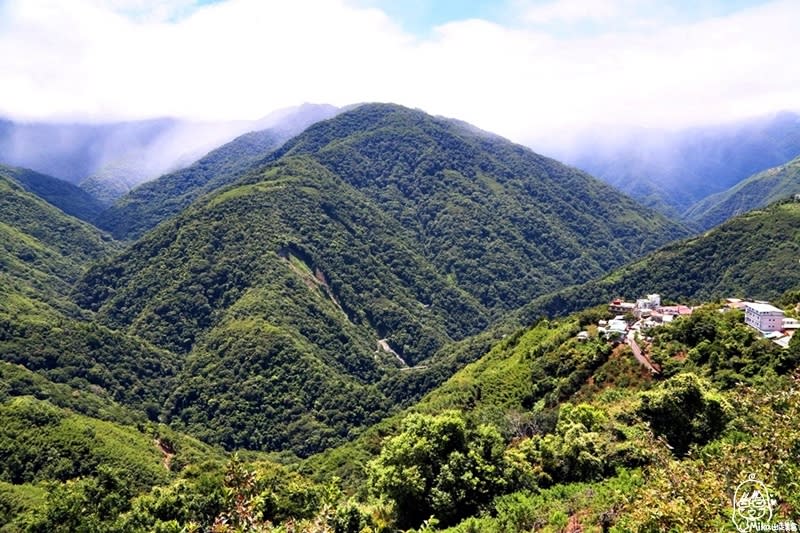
791, 323
763, 316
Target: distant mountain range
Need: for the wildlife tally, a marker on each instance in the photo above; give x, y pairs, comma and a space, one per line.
108, 160
673, 170
764, 188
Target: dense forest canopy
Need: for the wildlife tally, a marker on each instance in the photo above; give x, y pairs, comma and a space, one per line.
390, 322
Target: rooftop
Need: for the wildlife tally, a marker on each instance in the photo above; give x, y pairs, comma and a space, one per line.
761, 307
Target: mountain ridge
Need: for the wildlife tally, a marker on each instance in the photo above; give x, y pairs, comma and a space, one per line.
157, 200
755, 192
68, 198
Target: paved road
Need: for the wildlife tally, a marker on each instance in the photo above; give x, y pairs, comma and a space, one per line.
637, 353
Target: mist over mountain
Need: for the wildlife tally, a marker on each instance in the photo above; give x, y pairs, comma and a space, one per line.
671, 170
759, 190
150, 203
109, 160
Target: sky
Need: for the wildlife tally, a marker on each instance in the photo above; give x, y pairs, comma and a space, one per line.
520, 68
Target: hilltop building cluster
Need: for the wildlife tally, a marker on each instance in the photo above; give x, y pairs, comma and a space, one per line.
643, 314
649, 312
632, 318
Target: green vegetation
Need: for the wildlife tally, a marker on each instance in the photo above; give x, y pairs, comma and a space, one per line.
438, 467
40, 237
70, 199
63, 471
92, 358
152, 202
504, 223
41, 442
685, 411
351, 304
609, 464
16, 380
42, 253
751, 256
227, 298
755, 192
597, 448
366, 245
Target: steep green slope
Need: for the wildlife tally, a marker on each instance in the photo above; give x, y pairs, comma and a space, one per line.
91, 358
544, 432
64, 471
147, 205
540, 364
70, 199
304, 238
755, 256
505, 223
756, 191
42, 253
16, 380
581, 417
42, 250
272, 286
40, 441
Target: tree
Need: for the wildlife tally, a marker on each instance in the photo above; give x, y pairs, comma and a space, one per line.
685, 410
437, 466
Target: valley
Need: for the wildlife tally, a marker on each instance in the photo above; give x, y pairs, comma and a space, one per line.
374, 319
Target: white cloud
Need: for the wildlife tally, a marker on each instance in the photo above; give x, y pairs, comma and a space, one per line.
574, 10
244, 58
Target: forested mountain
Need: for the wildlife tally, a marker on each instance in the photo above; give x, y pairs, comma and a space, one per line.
42, 250
754, 255
764, 188
70, 199
299, 300
672, 170
269, 287
150, 203
382, 224
505, 223
42, 254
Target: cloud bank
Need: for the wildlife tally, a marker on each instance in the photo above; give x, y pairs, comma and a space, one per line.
522, 77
